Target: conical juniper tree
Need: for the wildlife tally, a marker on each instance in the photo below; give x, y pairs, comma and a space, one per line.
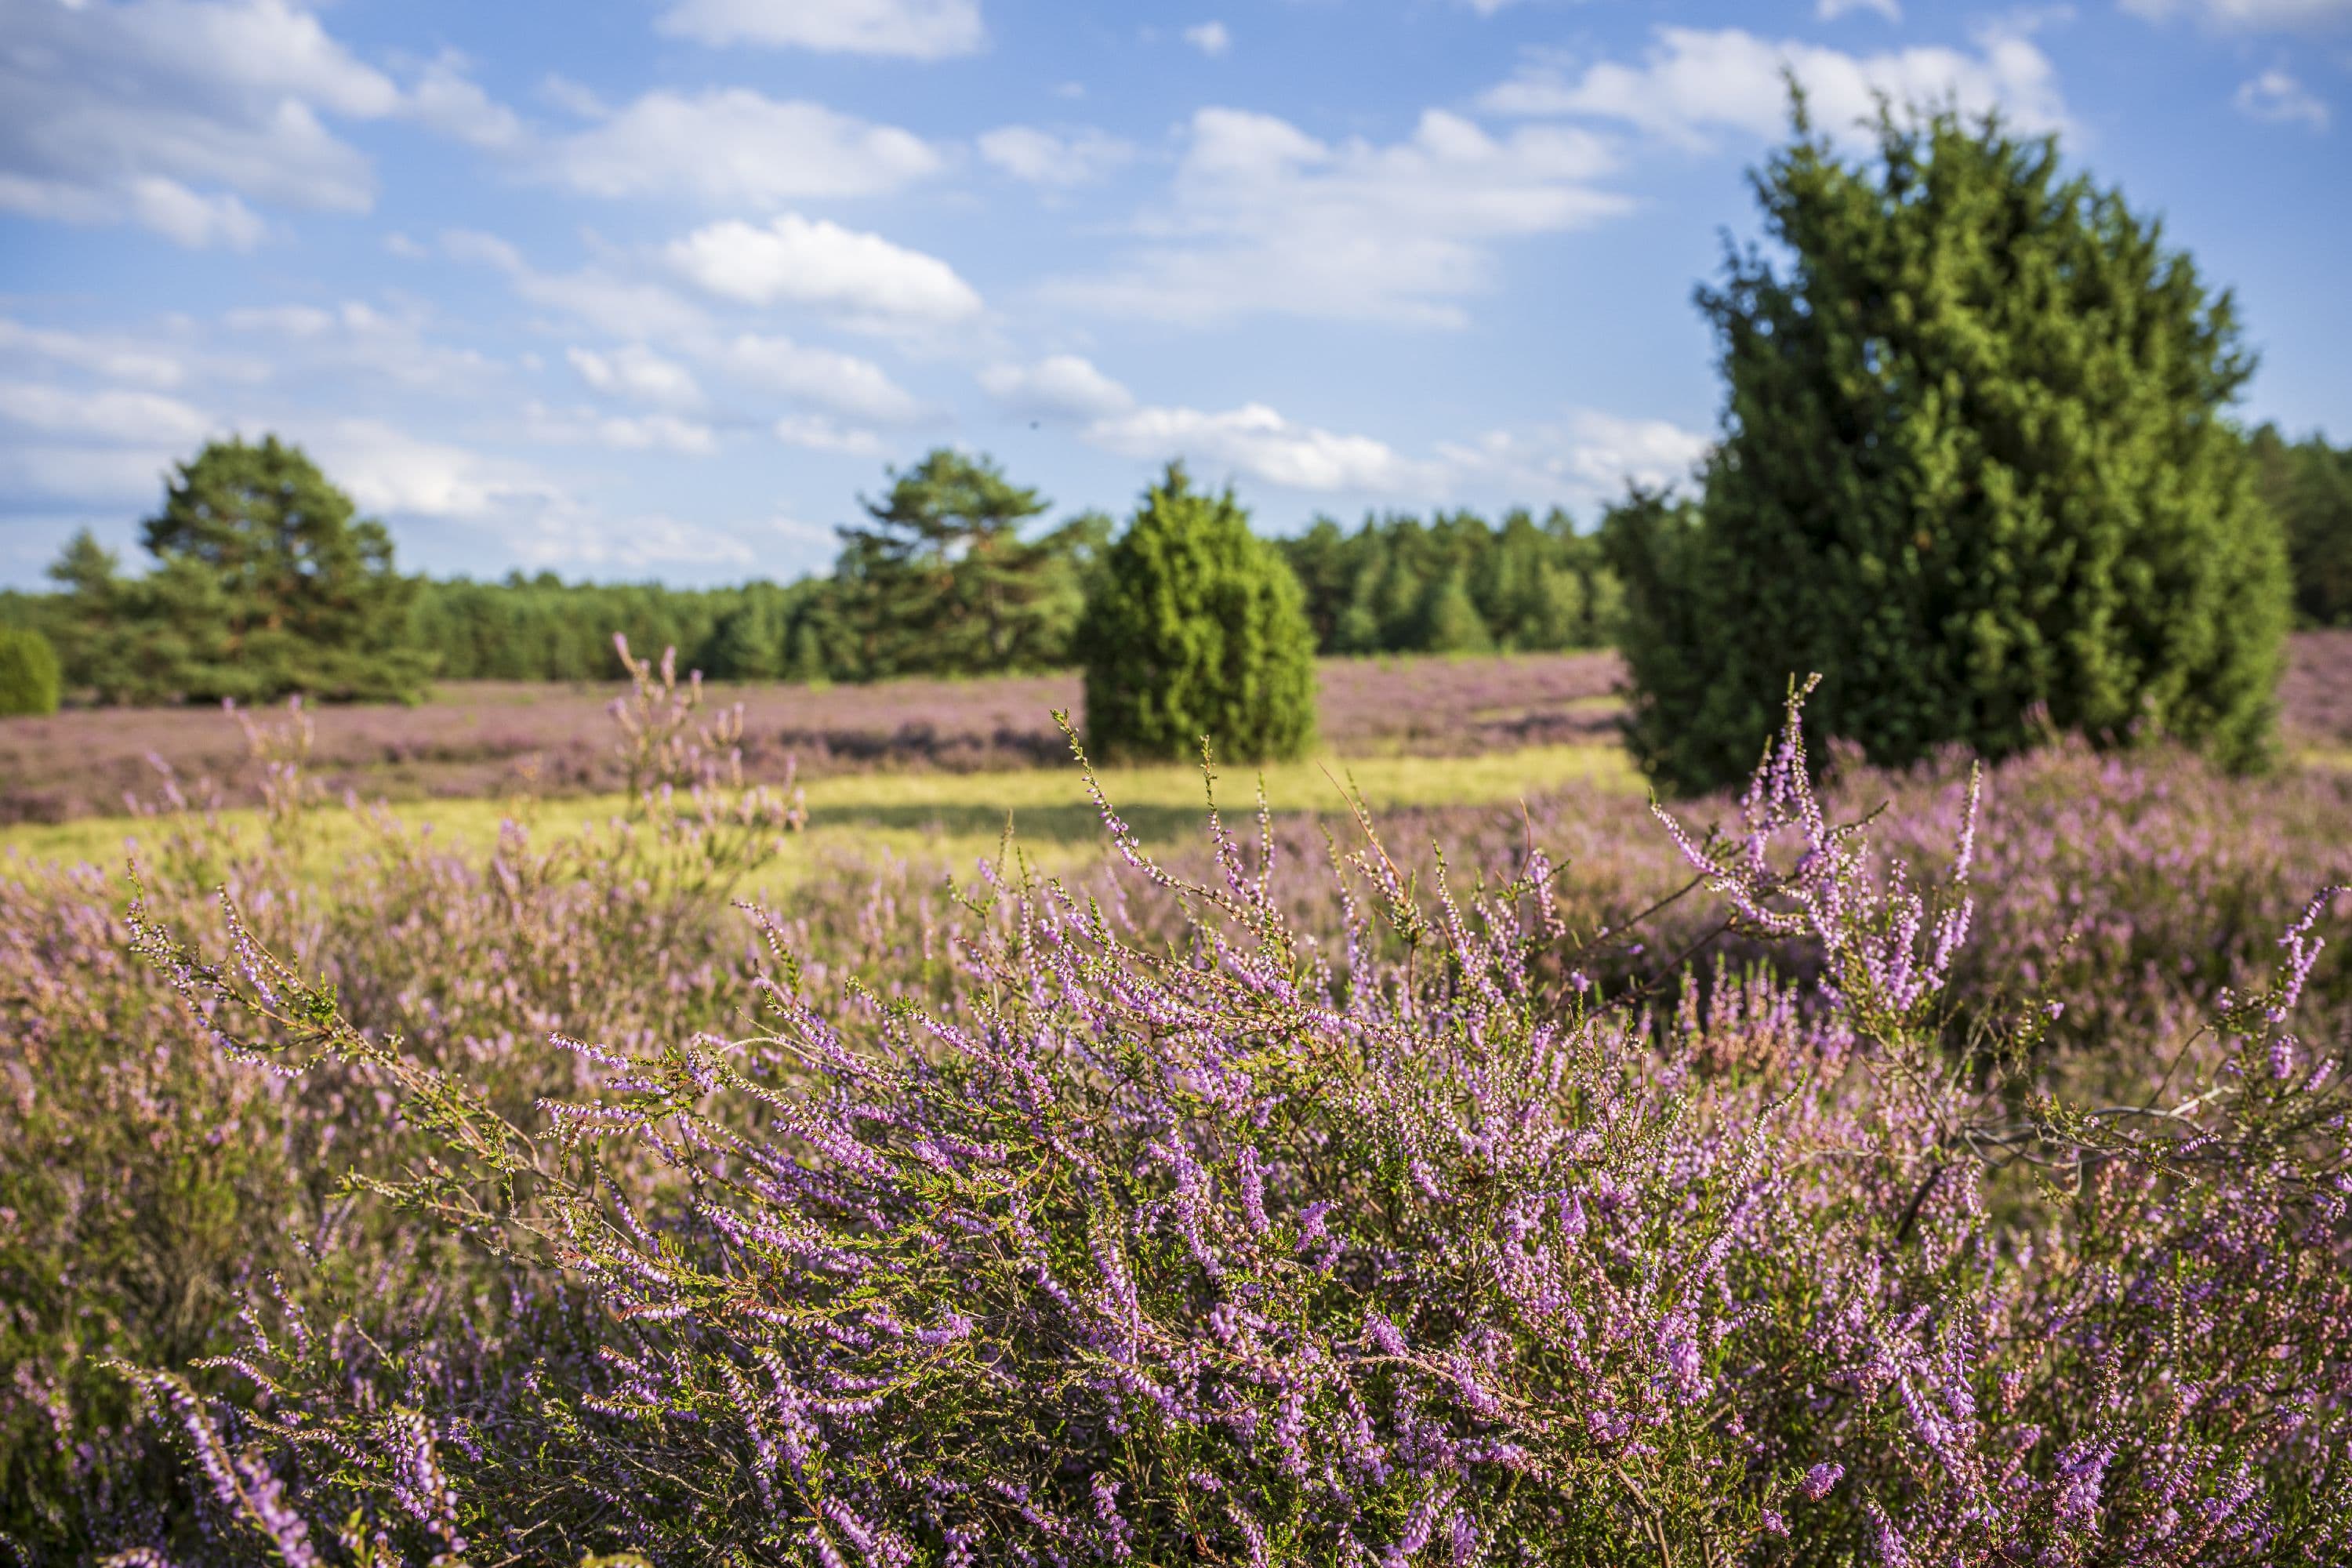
1196, 628
1976, 469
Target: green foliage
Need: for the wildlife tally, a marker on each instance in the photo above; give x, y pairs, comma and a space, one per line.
265, 583
943, 582
1196, 627
28, 672
2308, 484
1456, 584
1975, 470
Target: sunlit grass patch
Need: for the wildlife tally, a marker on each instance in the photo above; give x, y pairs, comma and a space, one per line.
933, 814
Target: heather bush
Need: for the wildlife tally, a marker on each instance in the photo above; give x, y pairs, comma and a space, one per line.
1196, 627
28, 673
147, 1184
1376, 1243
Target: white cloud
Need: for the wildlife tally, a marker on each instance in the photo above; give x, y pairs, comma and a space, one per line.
116, 359
819, 433
110, 479
1054, 157
1830, 10
735, 147
1062, 386
911, 29
1691, 82
386, 470
859, 277
181, 116
355, 337
568, 537
447, 101
619, 432
1488, 8
2280, 99
1589, 455
1257, 441
1586, 457
840, 383
613, 305
197, 222
1266, 217
1210, 38
2248, 16
110, 417
636, 371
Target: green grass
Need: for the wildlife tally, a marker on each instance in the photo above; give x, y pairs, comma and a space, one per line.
955, 816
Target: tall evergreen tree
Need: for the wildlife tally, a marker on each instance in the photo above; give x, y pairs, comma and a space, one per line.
89, 622
267, 582
942, 582
2308, 484
1976, 469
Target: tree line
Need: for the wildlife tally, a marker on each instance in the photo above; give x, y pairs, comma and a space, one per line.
262, 580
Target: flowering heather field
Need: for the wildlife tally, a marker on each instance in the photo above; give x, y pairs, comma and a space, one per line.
1963, 1185
488, 738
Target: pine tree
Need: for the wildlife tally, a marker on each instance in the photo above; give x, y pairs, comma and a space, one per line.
1196, 629
1450, 621
943, 582
2308, 485
1976, 469
266, 584
88, 623
748, 646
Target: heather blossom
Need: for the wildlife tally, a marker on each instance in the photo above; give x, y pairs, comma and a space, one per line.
1385, 1248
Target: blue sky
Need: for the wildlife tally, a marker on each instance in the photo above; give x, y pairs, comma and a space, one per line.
656, 287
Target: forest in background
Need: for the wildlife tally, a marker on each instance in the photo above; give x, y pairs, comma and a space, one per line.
1396, 583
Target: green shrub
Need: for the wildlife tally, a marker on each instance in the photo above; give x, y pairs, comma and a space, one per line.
28, 672
1196, 626
1974, 471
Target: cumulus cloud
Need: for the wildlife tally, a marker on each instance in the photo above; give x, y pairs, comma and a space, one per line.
613, 304
182, 116
1585, 456
910, 29
113, 357
1257, 441
1692, 83
357, 339
841, 383
450, 101
386, 469
620, 432
818, 434
110, 417
1265, 216
735, 147
1210, 38
858, 277
1060, 158
637, 373
2278, 98
1059, 386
